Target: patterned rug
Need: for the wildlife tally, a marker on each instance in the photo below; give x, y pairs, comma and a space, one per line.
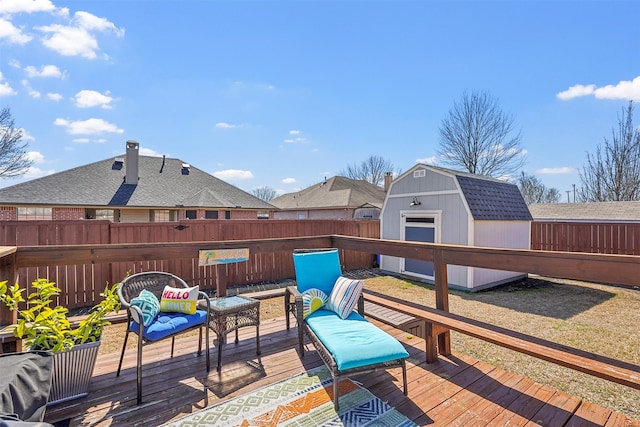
304, 400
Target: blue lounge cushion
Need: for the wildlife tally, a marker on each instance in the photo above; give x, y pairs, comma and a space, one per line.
354, 342
170, 323
318, 270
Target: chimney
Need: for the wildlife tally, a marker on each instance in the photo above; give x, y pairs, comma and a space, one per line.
388, 177
131, 171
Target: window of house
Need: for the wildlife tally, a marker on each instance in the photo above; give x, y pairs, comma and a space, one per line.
263, 215
227, 214
108, 214
162, 215
191, 214
302, 215
211, 214
27, 214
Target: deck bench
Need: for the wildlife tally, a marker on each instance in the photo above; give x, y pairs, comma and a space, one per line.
438, 322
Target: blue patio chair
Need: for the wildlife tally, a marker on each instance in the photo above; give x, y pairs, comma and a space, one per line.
164, 324
323, 304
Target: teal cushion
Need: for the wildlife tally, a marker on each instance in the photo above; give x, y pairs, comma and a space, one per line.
167, 324
354, 342
148, 304
318, 270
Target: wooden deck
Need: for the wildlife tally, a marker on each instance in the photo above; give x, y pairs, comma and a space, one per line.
453, 391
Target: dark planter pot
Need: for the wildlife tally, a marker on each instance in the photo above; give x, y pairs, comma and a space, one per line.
72, 371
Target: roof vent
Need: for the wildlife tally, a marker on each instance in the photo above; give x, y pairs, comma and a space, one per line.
185, 168
118, 162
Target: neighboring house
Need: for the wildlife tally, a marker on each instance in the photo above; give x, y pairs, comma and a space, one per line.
587, 212
130, 188
334, 198
436, 205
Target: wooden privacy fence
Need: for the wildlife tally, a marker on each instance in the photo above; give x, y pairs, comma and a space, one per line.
82, 282
591, 237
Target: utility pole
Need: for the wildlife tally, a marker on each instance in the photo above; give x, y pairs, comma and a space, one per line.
574, 193
568, 191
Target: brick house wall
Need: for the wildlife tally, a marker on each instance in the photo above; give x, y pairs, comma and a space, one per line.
60, 214
8, 213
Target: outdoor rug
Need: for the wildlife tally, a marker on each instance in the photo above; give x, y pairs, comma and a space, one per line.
304, 400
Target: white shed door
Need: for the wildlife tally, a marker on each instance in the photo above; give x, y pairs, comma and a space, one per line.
419, 228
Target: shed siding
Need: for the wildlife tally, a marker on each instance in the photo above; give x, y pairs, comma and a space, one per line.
499, 234
431, 182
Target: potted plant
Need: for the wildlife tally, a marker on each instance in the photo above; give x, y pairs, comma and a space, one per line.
47, 328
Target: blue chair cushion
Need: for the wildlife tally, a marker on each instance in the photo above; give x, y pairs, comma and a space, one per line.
167, 324
318, 270
354, 342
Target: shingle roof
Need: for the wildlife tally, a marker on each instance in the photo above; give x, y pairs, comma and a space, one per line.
338, 191
102, 184
593, 211
490, 198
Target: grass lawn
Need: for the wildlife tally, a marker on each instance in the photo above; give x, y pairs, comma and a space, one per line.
592, 317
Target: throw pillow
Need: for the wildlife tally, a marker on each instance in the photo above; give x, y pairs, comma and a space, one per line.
312, 300
148, 304
344, 296
179, 300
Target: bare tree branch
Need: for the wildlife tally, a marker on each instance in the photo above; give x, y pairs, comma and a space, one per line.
13, 156
534, 191
264, 193
478, 137
372, 169
613, 172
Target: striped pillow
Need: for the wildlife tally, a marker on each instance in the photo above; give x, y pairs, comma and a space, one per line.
344, 296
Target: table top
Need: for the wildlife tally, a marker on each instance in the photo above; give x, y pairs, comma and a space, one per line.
232, 303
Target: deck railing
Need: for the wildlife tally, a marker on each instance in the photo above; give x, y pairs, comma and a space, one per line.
619, 270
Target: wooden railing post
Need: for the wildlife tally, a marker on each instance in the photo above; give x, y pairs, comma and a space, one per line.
442, 297
8, 272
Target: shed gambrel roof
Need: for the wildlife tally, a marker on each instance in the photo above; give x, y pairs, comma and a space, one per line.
163, 183
336, 192
489, 198
592, 211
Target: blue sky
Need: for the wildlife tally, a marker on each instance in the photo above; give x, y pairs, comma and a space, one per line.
284, 93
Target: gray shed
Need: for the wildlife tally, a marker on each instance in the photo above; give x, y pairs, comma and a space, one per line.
432, 204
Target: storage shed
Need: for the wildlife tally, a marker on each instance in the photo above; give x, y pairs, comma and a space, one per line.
432, 204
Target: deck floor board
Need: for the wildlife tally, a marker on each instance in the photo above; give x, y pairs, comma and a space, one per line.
456, 390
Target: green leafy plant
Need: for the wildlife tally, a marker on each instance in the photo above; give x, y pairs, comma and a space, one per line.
44, 327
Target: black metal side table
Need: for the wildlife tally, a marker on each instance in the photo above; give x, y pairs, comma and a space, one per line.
232, 313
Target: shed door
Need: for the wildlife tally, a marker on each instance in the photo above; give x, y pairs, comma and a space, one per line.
419, 229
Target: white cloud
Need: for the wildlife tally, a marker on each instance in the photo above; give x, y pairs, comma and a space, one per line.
149, 152
35, 156
11, 33
54, 96
625, 89
294, 132
557, 171
224, 125
34, 172
32, 92
25, 6
26, 136
288, 180
233, 175
628, 90
428, 160
91, 98
88, 127
81, 140
45, 71
298, 140
576, 91
5, 88
14, 63
78, 39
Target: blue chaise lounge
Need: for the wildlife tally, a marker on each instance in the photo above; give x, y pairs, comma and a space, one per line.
322, 303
